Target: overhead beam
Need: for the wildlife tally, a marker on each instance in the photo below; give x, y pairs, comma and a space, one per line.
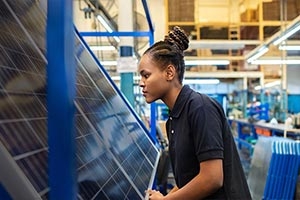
221, 44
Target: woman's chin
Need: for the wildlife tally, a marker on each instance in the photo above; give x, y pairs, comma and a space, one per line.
148, 100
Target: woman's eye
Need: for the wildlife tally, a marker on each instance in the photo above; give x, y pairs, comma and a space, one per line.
146, 75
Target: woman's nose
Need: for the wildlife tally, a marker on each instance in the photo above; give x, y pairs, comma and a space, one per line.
141, 83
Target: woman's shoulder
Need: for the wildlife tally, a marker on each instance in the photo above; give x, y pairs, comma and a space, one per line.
200, 98
205, 102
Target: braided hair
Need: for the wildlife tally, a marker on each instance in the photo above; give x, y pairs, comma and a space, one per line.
170, 51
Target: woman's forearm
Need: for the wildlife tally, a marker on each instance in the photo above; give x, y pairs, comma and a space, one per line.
174, 189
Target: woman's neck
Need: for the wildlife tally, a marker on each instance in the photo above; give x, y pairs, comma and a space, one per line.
171, 96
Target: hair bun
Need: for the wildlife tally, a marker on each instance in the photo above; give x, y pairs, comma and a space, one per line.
177, 37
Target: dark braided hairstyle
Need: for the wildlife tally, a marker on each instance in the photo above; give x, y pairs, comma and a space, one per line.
170, 51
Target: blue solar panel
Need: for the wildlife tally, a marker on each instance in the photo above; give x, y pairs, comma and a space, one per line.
115, 157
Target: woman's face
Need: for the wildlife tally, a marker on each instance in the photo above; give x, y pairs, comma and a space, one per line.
153, 81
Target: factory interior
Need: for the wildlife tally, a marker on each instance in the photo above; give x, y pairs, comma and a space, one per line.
75, 125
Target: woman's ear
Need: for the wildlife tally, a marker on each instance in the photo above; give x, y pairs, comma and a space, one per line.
170, 72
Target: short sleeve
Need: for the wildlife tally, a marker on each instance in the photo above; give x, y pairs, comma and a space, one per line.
206, 126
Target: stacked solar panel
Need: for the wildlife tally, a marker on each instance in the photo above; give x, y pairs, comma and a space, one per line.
274, 168
283, 171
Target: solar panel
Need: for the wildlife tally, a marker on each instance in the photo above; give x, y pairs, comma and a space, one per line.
115, 157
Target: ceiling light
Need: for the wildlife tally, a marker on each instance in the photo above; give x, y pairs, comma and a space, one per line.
276, 39
104, 21
187, 62
102, 48
287, 34
114, 63
275, 62
268, 85
221, 44
118, 78
258, 54
206, 62
289, 47
201, 81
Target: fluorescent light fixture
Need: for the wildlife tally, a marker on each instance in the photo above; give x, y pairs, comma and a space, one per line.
276, 39
289, 47
118, 78
105, 63
259, 53
206, 62
286, 35
275, 62
221, 44
201, 81
106, 25
268, 85
102, 48
185, 81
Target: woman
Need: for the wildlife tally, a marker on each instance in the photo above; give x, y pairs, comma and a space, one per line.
204, 158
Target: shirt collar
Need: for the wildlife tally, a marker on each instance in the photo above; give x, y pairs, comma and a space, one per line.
180, 101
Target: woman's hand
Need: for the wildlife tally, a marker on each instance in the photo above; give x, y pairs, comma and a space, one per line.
154, 195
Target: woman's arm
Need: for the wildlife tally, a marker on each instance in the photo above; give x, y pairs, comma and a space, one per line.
174, 189
209, 180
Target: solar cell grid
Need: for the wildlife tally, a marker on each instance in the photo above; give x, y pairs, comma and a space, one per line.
28, 14
14, 138
6, 75
30, 106
108, 112
39, 126
8, 111
5, 40
35, 167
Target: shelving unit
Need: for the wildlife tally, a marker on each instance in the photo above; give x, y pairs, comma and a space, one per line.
256, 21
257, 129
246, 24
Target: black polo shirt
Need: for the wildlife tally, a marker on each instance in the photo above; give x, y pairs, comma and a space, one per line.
197, 131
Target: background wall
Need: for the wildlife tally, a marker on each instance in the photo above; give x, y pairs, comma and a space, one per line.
293, 79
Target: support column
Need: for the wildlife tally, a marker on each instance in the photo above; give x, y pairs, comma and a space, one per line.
125, 23
61, 78
245, 96
283, 92
263, 99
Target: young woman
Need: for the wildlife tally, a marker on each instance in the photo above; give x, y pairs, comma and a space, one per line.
204, 158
